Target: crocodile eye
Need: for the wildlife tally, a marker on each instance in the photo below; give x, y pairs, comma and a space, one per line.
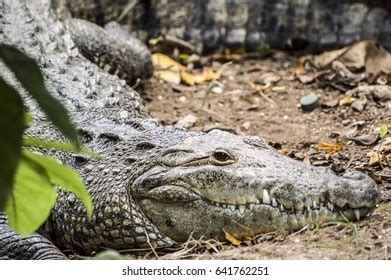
221, 157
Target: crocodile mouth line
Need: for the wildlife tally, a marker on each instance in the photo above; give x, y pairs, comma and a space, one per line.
308, 213
319, 207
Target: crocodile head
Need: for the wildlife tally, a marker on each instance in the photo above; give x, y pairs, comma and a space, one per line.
216, 182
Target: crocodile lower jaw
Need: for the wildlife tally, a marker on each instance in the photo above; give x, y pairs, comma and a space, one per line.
306, 215
303, 214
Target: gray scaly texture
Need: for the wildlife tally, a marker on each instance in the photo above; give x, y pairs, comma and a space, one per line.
250, 24
155, 186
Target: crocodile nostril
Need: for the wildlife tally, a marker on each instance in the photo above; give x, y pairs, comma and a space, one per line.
354, 175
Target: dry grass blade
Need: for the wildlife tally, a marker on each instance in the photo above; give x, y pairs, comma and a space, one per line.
213, 82
131, 4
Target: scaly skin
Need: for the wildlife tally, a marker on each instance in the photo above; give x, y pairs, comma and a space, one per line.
157, 185
250, 24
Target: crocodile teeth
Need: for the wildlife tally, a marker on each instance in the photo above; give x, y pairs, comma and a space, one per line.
314, 204
282, 207
357, 214
251, 206
330, 206
233, 207
242, 208
274, 202
266, 197
224, 205
257, 201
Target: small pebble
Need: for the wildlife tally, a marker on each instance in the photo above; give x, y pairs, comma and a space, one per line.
309, 102
187, 121
217, 90
246, 125
182, 99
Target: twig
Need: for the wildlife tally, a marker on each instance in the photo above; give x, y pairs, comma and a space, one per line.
299, 231
150, 245
258, 90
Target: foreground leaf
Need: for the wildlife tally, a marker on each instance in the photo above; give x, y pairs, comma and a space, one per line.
11, 127
63, 176
32, 198
111, 255
59, 146
30, 76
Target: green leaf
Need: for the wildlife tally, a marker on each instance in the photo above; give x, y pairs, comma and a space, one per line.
383, 131
11, 131
32, 198
27, 119
112, 255
63, 176
30, 76
60, 146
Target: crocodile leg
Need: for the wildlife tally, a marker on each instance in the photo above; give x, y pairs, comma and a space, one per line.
34, 247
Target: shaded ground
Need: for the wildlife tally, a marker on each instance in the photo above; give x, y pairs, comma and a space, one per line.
275, 115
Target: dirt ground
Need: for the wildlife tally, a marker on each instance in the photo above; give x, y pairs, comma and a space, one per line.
275, 114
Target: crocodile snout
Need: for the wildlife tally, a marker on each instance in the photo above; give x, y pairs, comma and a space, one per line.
353, 189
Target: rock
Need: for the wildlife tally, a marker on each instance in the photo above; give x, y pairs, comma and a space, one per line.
182, 99
187, 121
360, 104
217, 90
309, 102
246, 125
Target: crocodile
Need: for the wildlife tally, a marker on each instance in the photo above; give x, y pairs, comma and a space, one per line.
211, 25
156, 185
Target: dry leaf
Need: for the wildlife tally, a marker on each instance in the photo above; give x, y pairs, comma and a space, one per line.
306, 78
374, 157
208, 74
169, 76
164, 62
167, 69
278, 88
231, 239
329, 148
365, 140
299, 69
284, 150
325, 59
366, 55
171, 71
187, 78
345, 101
268, 78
